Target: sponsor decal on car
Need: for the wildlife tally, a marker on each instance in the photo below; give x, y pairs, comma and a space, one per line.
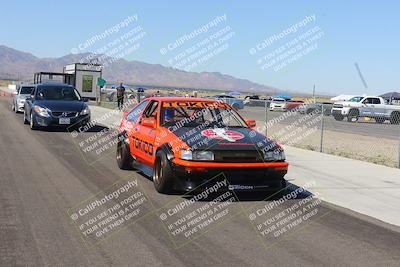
222, 134
194, 104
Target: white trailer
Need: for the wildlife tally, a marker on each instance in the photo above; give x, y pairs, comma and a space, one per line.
84, 77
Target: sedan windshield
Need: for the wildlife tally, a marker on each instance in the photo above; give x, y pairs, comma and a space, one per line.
194, 116
58, 93
26, 90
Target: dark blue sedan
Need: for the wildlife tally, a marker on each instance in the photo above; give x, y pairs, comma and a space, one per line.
55, 105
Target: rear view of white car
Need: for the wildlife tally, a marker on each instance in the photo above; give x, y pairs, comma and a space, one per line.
20, 96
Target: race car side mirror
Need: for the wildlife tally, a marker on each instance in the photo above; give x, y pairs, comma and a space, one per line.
149, 122
251, 123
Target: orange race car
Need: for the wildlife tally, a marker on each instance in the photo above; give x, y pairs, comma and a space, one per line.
184, 142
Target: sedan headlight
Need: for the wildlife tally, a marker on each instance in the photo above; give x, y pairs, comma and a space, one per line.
196, 155
85, 111
275, 155
44, 112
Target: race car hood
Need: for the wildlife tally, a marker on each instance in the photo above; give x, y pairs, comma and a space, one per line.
224, 139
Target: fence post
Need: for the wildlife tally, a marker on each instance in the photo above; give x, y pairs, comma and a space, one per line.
398, 158
322, 128
266, 116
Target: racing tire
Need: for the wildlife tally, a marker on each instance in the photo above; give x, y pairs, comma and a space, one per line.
380, 120
162, 174
25, 120
338, 117
32, 123
395, 117
123, 156
353, 116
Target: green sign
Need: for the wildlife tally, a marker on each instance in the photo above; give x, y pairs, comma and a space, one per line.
101, 82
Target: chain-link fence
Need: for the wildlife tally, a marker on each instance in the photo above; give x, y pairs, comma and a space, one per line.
370, 132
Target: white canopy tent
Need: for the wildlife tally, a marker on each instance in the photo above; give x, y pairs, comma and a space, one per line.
344, 97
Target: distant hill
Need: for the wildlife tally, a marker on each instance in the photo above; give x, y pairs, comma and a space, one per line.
14, 63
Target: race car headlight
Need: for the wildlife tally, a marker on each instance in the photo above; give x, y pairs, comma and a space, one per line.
275, 155
196, 155
186, 154
85, 111
203, 155
44, 112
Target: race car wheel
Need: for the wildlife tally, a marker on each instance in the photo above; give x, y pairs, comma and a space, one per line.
338, 117
124, 157
380, 120
395, 117
162, 174
32, 123
353, 115
25, 120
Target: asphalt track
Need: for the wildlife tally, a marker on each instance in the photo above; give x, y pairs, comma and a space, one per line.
42, 175
386, 130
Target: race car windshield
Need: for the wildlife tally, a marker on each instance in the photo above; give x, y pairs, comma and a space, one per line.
195, 116
58, 93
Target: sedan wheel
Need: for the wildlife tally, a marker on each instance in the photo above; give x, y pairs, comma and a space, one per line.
25, 119
32, 123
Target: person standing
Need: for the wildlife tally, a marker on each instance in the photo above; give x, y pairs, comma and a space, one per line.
120, 96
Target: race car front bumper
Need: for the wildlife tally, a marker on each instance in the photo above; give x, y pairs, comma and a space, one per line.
260, 176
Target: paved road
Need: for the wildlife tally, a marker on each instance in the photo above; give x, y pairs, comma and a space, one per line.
42, 175
386, 130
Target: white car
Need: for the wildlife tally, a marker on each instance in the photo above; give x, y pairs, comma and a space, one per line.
366, 106
20, 96
278, 104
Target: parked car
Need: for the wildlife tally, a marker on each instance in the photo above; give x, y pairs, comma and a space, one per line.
278, 104
184, 142
316, 107
255, 101
292, 104
55, 105
233, 101
366, 106
20, 96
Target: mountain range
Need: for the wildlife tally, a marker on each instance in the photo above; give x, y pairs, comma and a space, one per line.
17, 64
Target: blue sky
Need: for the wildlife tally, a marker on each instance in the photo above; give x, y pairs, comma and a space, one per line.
366, 32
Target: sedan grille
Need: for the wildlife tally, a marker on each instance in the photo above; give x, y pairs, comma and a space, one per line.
64, 114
